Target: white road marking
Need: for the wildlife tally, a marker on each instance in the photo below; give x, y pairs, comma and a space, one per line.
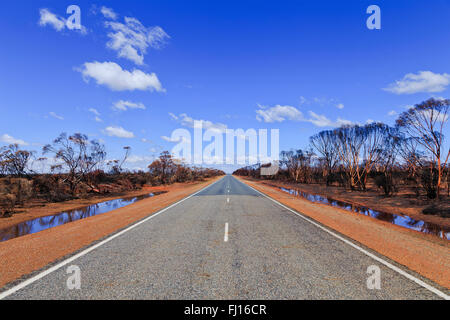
228, 200
225, 237
84, 252
367, 253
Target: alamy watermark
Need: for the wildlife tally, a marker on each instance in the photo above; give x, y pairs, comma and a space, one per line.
74, 280
374, 279
74, 20
374, 21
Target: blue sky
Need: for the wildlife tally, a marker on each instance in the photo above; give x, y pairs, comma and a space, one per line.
297, 66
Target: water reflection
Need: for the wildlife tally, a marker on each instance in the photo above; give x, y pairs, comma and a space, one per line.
399, 220
39, 224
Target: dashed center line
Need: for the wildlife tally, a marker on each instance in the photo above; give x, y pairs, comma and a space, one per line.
225, 238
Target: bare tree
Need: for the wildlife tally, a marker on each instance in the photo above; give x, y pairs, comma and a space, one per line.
116, 165
298, 164
425, 123
349, 141
377, 136
163, 168
14, 161
79, 155
290, 160
388, 161
325, 144
3, 166
359, 148
125, 157
411, 155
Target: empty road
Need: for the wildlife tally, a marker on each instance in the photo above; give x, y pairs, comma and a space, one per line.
225, 242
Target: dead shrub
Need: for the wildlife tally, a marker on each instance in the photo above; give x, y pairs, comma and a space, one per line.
13, 192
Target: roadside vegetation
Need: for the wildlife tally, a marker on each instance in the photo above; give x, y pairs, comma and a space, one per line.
408, 160
80, 169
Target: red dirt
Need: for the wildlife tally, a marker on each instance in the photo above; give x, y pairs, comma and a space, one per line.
23, 255
422, 253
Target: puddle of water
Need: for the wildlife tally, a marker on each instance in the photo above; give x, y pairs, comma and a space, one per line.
43, 223
399, 220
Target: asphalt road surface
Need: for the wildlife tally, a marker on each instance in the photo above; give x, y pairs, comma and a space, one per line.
226, 242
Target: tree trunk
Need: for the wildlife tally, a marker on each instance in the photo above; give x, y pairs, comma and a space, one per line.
439, 178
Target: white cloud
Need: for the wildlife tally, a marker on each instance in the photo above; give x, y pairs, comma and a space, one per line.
125, 105
392, 113
97, 114
54, 115
303, 100
323, 121
94, 111
340, 106
118, 132
48, 18
424, 81
131, 39
282, 113
188, 121
320, 120
115, 78
6, 138
322, 101
342, 122
278, 114
108, 13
